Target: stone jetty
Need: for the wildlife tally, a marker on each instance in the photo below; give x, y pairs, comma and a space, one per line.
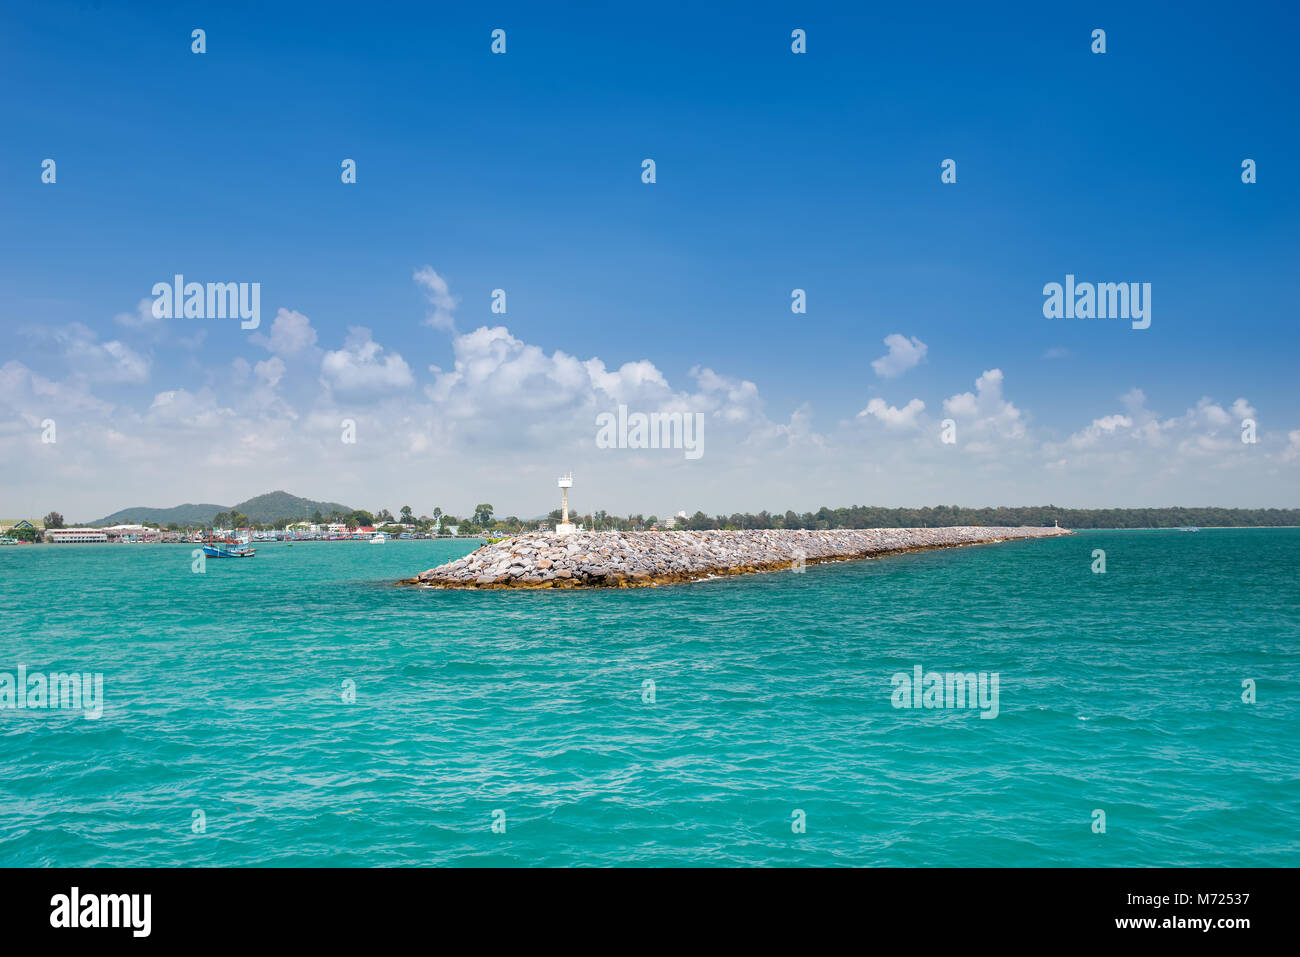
638, 559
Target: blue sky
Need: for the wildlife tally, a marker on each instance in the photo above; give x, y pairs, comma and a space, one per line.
774, 171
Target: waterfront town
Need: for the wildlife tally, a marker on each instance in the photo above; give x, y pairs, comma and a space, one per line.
328, 522
357, 526
13, 533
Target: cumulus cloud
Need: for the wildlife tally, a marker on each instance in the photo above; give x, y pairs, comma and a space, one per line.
892, 417
629, 381
729, 399
904, 354
96, 361
33, 396
270, 371
1213, 413
1099, 428
198, 410
361, 366
141, 318
440, 298
535, 398
494, 372
1205, 434
291, 333
984, 413
275, 423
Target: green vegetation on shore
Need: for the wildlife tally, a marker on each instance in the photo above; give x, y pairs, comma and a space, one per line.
275, 510
267, 509
862, 516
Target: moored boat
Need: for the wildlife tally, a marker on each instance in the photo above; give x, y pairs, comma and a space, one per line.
228, 548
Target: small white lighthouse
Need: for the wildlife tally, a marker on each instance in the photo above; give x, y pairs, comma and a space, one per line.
565, 528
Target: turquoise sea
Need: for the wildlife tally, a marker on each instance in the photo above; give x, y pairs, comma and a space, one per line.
224, 694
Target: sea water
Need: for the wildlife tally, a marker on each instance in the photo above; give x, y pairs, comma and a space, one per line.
297, 708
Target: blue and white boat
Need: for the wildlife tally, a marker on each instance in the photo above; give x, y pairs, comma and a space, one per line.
228, 548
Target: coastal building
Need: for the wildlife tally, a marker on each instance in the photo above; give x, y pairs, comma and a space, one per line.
21, 529
109, 533
131, 533
73, 536
672, 521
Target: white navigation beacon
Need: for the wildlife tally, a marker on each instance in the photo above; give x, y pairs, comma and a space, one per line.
565, 527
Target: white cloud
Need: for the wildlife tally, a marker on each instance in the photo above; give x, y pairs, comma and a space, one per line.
1204, 436
275, 423
984, 413
495, 372
1212, 413
1105, 426
142, 318
199, 410
904, 354
33, 396
439, 296
894, 418
630, 381
361, 366
291, 333
96, 361
728, 399
270, 371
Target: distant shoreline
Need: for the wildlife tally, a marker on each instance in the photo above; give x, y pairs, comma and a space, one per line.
500, 536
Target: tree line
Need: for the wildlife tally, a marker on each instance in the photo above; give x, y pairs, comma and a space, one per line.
863, 516
483, 520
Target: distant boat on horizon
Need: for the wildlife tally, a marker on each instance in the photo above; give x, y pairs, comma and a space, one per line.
378, 538
1189, 528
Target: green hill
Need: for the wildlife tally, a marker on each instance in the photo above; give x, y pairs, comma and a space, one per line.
260, 508
187, 514
274, 505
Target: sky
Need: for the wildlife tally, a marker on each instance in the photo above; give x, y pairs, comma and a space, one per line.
523, 171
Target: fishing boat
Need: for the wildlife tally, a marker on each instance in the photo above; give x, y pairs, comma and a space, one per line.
1190, 528
6, 540
378, 538
228, 548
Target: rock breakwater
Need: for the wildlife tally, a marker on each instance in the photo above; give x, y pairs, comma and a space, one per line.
636, 559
